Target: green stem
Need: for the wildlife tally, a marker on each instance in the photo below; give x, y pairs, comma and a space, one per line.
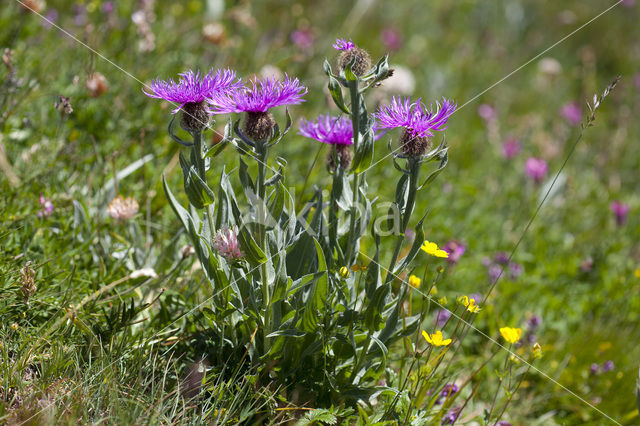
414, 174
263, 152
202, 172
355, 120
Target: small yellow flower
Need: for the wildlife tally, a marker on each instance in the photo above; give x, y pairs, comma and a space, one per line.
637, 272
415, 281
432, 249
433, 291
510, 334
344, 272
537, 350
470, 304
435, 339
14, 326
443, 300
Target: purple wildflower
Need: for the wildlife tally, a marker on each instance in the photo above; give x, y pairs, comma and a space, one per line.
79, 14
455, 249
572, 113
494, 271
226, 243
264, 94
515, 270
193, 87
391, 39
594, 368
487, 112
50, 19
451, 416
536, 169
628, 3
47, 207
342, 44
441, 317
108, 7
620, 211
414, 117
303, 38
510, 148
636, 80
501, 258
328, 129
608, 366
534, 321
449, 389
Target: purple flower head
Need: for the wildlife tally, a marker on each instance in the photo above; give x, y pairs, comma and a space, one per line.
501, 258
608, 366
536, 169
534, 321
594, 368
264, 94
47, 207
572, 113
328, 129
510, 148
451, 416
515, 270
303, 38
108, 7
391, 39
487, 112
628, 3
441, 317
621, 211
414, 117
636, 80
226, 243
494, 271
342, 44
193, 87
449, 389
455, 249
79, 14
50, 19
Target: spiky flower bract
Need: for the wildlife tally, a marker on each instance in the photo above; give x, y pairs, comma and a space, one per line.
350, 52
193, 87
260, 97
419, 123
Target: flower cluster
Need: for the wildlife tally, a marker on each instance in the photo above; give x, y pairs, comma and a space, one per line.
226, 244
500, 260
123, 208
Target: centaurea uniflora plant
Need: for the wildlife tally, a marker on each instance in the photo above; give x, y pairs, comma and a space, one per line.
295, 298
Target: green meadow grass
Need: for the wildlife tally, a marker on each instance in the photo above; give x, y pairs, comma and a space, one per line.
93, 345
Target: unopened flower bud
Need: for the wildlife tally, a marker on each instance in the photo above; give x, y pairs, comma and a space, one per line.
344, 272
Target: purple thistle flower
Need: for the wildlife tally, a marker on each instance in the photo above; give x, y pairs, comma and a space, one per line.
342, 44
226, 243
494, 271
328, 129
264, 94
501, 257
47, 207
594, 368
534, 321
536, 169
108, 7
50, 19
193, 87
621, 211
510, 148
572, 113
608, 366
414, 117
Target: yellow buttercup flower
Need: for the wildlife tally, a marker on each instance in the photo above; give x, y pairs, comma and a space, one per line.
344, 272
415, 281
432, 249
470, 304
436, 339
637, 272
510, 334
